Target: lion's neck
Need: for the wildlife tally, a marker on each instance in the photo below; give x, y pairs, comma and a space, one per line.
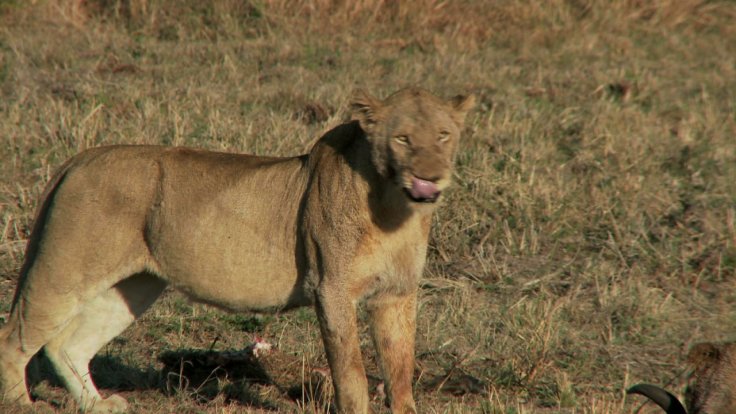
389, 206
343, 158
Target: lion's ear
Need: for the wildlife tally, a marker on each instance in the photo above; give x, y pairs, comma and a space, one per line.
365, 109
461, 104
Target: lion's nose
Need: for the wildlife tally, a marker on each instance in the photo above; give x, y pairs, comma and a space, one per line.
423, 189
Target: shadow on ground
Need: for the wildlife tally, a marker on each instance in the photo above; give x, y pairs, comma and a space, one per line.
203, 375
239, 376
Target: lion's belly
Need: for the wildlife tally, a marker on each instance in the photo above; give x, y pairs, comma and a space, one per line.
235, 276
236, 250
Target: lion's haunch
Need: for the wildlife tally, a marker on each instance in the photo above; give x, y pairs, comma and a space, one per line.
423, 189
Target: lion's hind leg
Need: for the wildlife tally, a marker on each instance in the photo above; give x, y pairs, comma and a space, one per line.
30, 325
100, 321
13, 363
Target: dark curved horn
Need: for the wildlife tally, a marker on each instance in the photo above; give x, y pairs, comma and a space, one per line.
669, 403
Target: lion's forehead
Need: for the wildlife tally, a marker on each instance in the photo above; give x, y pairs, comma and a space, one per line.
419, 120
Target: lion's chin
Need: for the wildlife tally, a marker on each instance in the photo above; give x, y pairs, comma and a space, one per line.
431, 199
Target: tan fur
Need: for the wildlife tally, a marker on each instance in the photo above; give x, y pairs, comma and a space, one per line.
330, 228
711, 382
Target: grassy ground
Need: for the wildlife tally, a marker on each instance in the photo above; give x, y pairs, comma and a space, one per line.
589, 238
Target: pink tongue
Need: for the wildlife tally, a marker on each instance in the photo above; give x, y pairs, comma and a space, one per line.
423, 189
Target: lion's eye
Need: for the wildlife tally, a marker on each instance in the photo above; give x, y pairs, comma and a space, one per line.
402, 139
444, 136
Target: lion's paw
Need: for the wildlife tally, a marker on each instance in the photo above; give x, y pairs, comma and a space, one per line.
111, 404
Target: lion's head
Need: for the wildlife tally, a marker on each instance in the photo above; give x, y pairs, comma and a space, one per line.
414, 137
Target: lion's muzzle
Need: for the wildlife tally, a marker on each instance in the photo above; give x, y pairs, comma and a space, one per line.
423, 191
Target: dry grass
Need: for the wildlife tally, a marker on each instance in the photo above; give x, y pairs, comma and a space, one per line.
589, 240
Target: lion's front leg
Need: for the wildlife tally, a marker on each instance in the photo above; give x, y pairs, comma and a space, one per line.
337, 320
393, 323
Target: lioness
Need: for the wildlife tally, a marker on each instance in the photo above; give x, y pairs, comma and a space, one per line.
711, 383
345, 223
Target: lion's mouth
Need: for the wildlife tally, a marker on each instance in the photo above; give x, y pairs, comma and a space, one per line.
422, 191
421, 199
